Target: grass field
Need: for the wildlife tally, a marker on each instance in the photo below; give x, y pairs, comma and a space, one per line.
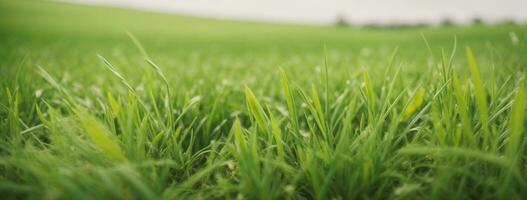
106, 103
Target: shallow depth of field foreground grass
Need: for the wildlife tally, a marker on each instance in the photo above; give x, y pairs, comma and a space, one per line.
102, 103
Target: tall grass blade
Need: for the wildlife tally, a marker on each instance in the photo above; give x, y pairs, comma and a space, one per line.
289, 100
416, 102
100, 136
255, 109
516, 123
479, 91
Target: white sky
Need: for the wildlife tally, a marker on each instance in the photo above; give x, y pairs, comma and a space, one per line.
326, 11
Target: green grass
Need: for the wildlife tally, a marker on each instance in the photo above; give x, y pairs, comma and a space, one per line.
106, 103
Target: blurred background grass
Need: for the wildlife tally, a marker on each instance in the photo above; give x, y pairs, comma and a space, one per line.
46, 21
59, 35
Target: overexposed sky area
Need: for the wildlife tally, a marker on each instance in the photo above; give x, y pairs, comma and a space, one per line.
327, 11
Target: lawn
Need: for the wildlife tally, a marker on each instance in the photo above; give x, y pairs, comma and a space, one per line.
108, 103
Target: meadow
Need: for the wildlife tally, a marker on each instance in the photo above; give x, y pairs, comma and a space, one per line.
108, 103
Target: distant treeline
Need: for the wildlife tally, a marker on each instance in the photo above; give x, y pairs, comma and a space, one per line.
342, 22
